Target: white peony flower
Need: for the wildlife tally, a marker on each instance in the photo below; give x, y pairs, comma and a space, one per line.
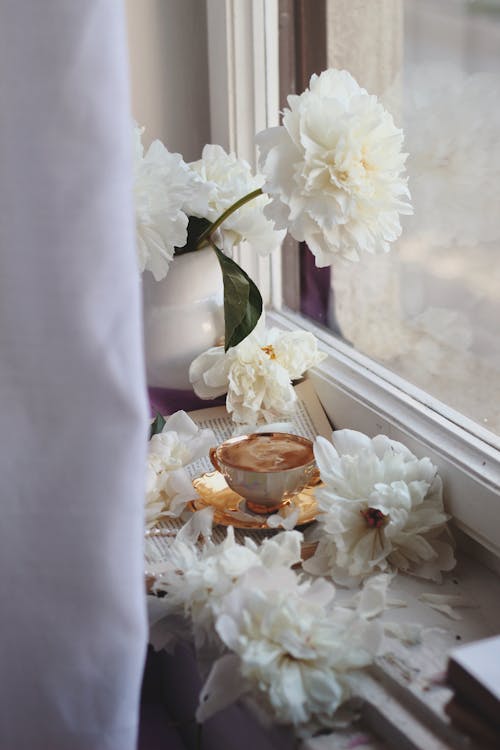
381, 508
168, 485
196, 578
334, 170
229, 180
293, 652
163, 183
256, 374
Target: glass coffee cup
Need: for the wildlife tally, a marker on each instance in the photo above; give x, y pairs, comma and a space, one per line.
266, 468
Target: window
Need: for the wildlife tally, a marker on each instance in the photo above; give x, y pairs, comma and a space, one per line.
428, 310
356, 389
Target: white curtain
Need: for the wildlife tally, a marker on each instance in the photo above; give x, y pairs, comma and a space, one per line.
72, 398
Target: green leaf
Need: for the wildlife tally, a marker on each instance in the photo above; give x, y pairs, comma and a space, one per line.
157, 426
251, 317
242, 301
195, 229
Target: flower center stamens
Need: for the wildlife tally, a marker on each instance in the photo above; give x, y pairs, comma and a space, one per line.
269, 350
374, 518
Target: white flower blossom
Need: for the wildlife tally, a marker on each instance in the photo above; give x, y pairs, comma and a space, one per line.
294, 653
381, 508
230, 179
163, 183
282, 642
256, 374
334, 170
168, 485
197, 579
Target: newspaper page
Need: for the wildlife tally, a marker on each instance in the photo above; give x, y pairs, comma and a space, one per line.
309, 420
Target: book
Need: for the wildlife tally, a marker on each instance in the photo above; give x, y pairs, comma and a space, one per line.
467, 720
474, 675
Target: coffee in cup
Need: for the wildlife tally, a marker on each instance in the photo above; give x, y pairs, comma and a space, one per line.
267, 468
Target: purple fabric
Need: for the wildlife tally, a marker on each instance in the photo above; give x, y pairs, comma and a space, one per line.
231, 729
157, 730
169, 400
315, 287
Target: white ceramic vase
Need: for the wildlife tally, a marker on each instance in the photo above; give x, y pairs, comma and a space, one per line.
183, 316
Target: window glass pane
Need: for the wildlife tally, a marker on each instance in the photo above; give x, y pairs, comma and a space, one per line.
429, 310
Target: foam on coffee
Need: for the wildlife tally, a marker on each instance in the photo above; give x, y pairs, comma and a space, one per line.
277, 452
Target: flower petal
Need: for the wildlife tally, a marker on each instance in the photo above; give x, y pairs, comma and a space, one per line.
223, 687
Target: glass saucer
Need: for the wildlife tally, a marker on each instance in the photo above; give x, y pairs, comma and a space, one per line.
231, 510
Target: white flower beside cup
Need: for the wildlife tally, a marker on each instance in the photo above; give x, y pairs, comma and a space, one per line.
168, 485
284, 644
381, 508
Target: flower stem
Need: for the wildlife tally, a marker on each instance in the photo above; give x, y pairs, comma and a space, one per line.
234, 207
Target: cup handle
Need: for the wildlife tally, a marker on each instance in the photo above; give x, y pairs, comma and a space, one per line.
213, 458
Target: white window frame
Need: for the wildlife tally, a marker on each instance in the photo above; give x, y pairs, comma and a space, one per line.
355, 391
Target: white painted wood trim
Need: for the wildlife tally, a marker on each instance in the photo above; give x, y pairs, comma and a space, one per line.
243, 60
220, 67
355, 394
243, 63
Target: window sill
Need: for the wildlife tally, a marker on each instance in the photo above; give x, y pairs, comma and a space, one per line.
404, 704
355, 395
404, 695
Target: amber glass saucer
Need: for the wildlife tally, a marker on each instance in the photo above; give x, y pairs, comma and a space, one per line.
230, 508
